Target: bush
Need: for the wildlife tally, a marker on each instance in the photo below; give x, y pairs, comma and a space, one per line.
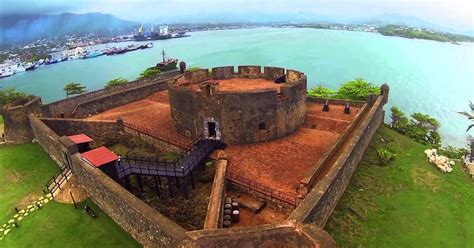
357, 89
11, 96
453, 152
321, 92
149, 72
421, 128
116, 81
385, 156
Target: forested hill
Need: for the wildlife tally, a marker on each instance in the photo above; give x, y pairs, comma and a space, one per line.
423, 33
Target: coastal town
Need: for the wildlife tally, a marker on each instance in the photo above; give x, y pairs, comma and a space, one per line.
16, 59
46, 52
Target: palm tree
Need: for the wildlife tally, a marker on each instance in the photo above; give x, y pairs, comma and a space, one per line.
470, 116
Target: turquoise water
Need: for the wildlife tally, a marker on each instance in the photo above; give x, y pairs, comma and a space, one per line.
425, 76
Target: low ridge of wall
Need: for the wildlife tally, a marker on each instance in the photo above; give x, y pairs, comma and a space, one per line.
92, 128
285, 234
318, 205
215, 207
17, 123
67, 106
145, 224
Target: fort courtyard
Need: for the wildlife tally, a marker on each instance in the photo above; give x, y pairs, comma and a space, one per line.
235, 155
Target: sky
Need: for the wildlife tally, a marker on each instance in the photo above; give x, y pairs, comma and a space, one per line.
455, 14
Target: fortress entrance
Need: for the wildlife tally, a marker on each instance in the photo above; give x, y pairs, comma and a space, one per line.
211, 127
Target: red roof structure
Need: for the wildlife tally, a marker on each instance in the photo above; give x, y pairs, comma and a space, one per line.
99, 156
80, 138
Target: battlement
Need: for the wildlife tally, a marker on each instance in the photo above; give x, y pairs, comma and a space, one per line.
247, 105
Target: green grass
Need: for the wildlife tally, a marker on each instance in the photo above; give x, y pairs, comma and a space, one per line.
61, 225
408, 203
24, 169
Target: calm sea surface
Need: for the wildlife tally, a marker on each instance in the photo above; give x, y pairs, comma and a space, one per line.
424, 76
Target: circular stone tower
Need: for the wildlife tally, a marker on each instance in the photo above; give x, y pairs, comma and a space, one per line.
240, 107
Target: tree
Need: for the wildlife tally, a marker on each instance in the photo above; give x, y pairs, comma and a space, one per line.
116, 81
149, 72
74, 89
321, 92
399, 120
10, 95
470, 116
357, 89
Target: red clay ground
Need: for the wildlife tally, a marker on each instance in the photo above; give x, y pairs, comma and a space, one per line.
152, 114
279, 164
244, 84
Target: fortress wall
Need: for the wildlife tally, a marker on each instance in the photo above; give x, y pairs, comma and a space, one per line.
323, 197
293, 76
291, 112
215, 207
223, 72
335, 101
17, 123
273, 73
249, 71
119, 98
184, 106
193, 77
284, 234
92, 128
51, 142
146, 225
66, 106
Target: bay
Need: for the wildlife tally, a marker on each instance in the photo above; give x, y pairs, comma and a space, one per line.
424, 76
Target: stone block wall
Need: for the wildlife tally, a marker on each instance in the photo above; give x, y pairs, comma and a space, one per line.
323, 197
92, 128
284, 234
145, 224
215, 208
67, 106
116, 99
17, 122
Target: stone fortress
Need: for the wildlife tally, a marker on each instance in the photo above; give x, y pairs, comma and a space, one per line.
294, 153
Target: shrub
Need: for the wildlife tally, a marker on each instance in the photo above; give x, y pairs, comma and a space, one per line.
385, 155
149, 72
453, 152
321, 92
357, 89
11, 96
116, 81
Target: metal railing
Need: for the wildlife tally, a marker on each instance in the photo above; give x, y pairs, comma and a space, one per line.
54, 184
273, 194
165, 137
181, 167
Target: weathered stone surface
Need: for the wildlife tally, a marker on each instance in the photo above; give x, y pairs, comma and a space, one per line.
216, 199
17, 123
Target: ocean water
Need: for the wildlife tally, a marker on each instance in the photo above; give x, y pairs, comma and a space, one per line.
424, 76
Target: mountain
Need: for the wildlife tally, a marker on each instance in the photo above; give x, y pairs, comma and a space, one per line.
20, 28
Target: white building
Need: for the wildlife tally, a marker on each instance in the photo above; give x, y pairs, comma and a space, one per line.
164, 30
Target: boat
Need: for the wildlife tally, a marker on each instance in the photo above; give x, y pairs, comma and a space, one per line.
31, 66
64, 59
167, 64
74, 57
120, 50
6, 71
20, 68
51, 61
93, 54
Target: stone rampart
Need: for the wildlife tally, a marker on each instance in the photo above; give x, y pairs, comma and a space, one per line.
318, 205
17, 123
92, 128
66, 106
215, 207
145, 224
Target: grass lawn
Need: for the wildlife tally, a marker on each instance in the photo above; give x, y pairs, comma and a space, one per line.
408, 203
24, 169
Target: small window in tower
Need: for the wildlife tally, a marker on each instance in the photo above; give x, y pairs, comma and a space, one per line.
262, 126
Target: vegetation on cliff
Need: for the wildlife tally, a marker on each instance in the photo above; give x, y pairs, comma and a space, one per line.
12, 96
149, 72
408, 203
419, 33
